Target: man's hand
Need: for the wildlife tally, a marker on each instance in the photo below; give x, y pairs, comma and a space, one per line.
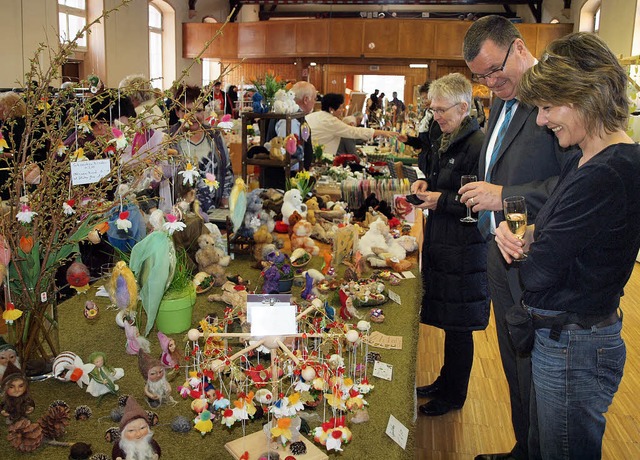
482, 196
419, 186
430, 200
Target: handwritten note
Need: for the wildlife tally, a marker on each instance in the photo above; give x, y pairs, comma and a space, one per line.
89, 172
397, 431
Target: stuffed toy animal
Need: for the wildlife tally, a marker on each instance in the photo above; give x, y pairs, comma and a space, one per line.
210, 260
301, 238
293, 202
272, 200
284, 102
234, 295
276, 149
263, 243
312, 207
255, 216
377, 245
257, 105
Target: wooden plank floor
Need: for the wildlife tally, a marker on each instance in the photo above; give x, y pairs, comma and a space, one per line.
483, 425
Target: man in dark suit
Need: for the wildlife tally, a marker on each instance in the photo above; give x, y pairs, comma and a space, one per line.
518, 158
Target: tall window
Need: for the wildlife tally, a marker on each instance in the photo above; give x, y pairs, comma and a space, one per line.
596, 21
155, 46
72, 17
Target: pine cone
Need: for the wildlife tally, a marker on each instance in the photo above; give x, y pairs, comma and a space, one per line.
122, 400
24, 435
83, 412
112, 434
152, 418
59, 402
54, 422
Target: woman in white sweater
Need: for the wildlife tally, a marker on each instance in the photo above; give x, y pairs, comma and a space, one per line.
327, 129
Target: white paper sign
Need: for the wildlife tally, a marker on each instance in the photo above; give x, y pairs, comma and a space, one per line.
89, 172
397, 431
271, 315
382, 370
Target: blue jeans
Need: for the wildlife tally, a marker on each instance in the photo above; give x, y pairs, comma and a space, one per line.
574, 380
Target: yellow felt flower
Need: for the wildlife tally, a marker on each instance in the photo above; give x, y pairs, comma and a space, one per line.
282, 430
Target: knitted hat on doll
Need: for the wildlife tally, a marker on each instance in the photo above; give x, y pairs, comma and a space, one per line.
12, 372
146, 362
4, 346
164, 341
132, 411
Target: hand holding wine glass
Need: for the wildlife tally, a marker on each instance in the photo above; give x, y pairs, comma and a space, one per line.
465, 180
515, 214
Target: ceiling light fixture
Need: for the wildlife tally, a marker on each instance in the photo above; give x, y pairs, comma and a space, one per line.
419, 66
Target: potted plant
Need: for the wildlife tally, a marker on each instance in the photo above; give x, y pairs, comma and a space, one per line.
277, 274
268, 86
176, 306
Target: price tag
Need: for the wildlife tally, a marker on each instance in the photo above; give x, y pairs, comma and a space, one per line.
395, 297
382, 370
397, 431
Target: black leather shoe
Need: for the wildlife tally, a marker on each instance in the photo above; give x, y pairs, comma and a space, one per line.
503, 456
428, 391
437, 407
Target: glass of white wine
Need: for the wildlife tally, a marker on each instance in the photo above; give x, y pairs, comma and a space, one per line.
465, 180
515, 213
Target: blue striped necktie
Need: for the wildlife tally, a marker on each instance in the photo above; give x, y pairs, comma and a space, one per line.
484, 217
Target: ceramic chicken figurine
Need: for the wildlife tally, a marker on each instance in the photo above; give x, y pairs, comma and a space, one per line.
122, 287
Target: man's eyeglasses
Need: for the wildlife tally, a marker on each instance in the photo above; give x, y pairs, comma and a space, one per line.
441, 112
482, 78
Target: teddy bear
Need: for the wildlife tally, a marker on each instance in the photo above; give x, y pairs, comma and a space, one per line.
234, 295
257, 105
312, 207
284, 102
301, 238
263, 243
276, 149
255, 216
377, 245
293, 202
210, 259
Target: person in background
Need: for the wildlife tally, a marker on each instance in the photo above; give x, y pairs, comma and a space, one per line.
518, 158
372, 106
202, 147
582, 248
232, 99
454, 261
422, 141
328, 129
398, 104
143, 97
12, 124
218, 98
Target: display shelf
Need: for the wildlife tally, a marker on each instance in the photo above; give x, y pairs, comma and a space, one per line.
263, 120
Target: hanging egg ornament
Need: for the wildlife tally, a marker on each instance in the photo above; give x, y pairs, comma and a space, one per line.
291, 144
78, 277
352, 336
5, 251
308, 373
305, 131
91, 310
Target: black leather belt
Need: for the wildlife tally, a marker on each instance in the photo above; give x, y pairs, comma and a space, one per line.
603, 322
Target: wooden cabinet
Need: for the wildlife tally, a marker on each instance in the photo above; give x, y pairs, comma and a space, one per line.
195, 36
416, 39
381, 39
263, 120
346, 37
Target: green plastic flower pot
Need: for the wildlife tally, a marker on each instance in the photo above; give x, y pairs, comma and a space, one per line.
176, 308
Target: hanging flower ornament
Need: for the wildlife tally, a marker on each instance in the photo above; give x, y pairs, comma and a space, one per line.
282, 430
3, 143
123, 222
118, 139
25, 216
84, 125
61, 149
189, 175
79, 155
226, 122
11, 313
228, 417
173, 224
211, 182
67, 207
212, 119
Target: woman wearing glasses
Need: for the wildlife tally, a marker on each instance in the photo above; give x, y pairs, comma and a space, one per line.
582, 248
454, 254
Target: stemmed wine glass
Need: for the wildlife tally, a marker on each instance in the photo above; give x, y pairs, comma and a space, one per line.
515, 213
465, 180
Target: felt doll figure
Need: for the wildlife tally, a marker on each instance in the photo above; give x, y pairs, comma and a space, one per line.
7, 354
16, 402
157, 389
136, 438
171, 356
103, 376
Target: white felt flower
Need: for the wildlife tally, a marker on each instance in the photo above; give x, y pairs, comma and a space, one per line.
123, 222
173, 224
61, 149
189, 175
119, 139
67, 207
211, 182
25, 215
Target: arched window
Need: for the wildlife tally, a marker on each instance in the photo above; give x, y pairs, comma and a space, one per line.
72, 17
155, 46
596, 21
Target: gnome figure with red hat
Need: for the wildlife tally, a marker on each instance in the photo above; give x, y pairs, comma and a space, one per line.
16, 402
136, 438
157, 390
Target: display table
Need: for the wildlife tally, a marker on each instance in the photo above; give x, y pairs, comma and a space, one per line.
374, 153
81, 336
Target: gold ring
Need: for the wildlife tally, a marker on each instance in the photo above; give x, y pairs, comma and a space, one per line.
472, 202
